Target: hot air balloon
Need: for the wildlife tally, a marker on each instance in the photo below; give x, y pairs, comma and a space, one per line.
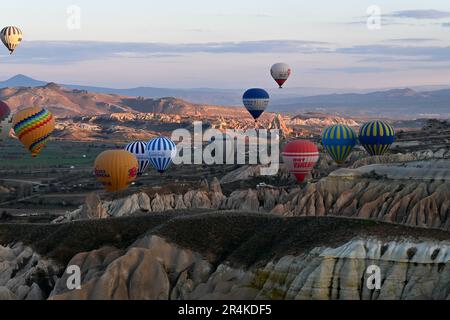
339, 141
33, 127
376, 137
256, 101
139, 149
280, 73
161, 152
5, 121
11, 37
300, 157
116, 169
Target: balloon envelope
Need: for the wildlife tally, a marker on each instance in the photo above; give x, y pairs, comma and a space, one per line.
33, 127
11, 37
116, 169
300, 157
339, 141
256, 101
161, 152
376, 137
280, 73
139, 149
5, 121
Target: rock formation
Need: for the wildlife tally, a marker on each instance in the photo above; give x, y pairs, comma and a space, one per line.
233, 255
25, 275
413, 193
155, 269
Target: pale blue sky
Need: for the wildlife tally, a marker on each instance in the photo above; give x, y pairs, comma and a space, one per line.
326, 42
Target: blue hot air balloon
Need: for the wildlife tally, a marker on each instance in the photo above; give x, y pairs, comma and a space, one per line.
376, 137
161, 152
256, 101
139, 149
339, 141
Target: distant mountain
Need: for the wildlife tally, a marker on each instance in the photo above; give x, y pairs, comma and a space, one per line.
396, 102
196, 95
435, 101
66, 102
62, 101
21, 80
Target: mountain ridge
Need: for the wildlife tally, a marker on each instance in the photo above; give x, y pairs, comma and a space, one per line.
393, 102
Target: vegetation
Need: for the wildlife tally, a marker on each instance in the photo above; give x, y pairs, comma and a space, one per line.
243, 239
58, 154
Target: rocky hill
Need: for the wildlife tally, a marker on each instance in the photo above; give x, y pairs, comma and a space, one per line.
64, 102
61, 101
224, 255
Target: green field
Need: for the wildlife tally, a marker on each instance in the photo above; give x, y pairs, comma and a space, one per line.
56, 154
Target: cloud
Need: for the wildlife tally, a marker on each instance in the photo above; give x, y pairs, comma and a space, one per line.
420, 14
74, 51
420, 53
249, 15
353, 70
407, 18
411, 40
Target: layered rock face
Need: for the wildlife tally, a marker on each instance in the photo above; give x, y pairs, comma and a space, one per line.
154, 269
413, 193
209, 197
25, 275
402, 194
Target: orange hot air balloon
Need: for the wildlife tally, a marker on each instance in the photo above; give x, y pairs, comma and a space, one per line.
116, 169
33, 127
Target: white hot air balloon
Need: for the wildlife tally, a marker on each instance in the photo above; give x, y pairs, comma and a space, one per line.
280, 73
139, 149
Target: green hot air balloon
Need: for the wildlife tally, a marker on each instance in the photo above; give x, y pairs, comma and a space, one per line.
339, 141
376, 137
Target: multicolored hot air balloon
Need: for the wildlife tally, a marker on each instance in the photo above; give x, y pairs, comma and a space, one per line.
116, 169
139, 149
161, 152
256, 101
376, 137
33, 127
339, 141
300, 157
280, 73
11, 37
5, 121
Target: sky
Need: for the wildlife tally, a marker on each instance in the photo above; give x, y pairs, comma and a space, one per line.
230, 44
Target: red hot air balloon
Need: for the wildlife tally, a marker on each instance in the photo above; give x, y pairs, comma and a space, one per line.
300, 157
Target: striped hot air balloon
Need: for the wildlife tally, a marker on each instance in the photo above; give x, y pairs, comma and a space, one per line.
33, 127
280, 73
300, 157
161, 152
339, 141
139, 149
5, 121
116, 169
256, 101
376, 137
11, 37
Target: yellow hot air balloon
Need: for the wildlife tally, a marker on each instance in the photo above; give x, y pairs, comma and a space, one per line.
11, 37
33, 127
116, 169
